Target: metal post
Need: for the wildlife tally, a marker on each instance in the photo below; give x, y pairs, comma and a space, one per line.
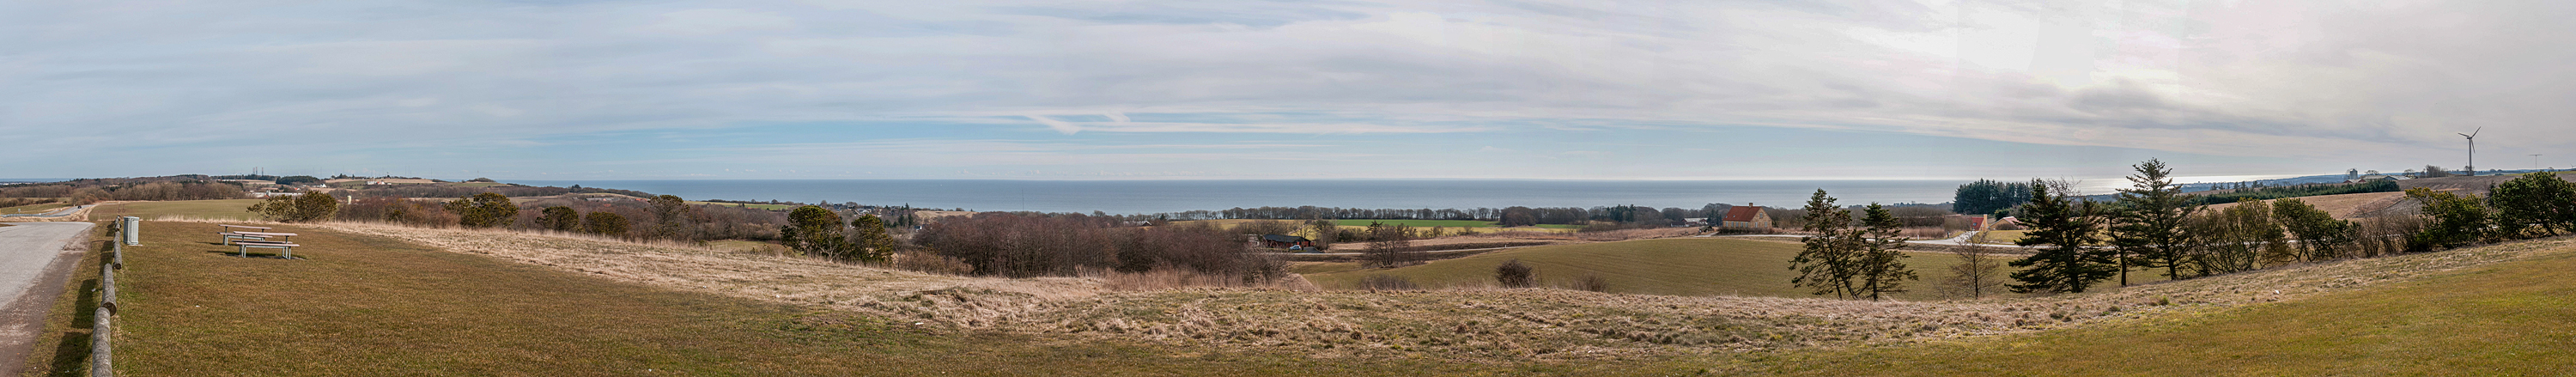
133, 230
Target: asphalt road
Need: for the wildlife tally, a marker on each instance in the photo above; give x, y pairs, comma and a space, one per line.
33, 269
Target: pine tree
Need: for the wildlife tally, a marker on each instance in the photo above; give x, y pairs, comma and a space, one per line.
1826, 265
559, 218
1880, 263
2150, 230
2063, 229
874, 245
812, 230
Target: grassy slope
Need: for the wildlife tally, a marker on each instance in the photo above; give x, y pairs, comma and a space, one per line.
2505, 319
202, 209
362, 305
1673, 266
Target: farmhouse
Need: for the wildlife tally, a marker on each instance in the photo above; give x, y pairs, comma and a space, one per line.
1746, 217
1279, 241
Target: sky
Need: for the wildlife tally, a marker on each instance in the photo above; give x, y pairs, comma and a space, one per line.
828, 89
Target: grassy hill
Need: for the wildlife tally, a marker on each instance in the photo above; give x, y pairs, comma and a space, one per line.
368, 305
371, 305
2503, 319
232, 209
1672, 266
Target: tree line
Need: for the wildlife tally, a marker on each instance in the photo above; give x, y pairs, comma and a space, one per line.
2153, 226
1507, 216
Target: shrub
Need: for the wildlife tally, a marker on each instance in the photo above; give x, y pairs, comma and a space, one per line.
1383, 282
1022, 246
560, 219
1592, 282
1512, 274
812, 230
2451, 220
605, 223
307, 207
483, 210
873, 244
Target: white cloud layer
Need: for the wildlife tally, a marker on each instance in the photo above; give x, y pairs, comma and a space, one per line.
2370, 83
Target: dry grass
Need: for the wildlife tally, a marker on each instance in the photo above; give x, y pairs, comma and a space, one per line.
2350, 206
1174, 278
974, 301
1464, 325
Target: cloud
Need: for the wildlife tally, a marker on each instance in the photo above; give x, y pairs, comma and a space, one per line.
1057, 125
2379, 84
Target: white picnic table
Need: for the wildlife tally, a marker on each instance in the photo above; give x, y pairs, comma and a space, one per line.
247, 239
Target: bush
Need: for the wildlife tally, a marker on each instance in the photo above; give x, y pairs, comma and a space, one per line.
311, 206
1592, 282
1023, 246
483, 210
2451, 220
1512, 274
1387, 283
560, 219
605, 223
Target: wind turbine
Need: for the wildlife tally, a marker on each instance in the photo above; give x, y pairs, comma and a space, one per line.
2473, 150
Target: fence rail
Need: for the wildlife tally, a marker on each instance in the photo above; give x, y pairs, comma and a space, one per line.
101, 360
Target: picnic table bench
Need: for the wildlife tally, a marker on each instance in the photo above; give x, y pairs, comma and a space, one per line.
229, 228
228, 237
287, 249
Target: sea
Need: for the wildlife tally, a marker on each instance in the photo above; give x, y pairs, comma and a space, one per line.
1164, 196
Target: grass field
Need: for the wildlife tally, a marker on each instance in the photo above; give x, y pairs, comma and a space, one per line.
34, 208
364, 305
368, 305
2504, 319
1676, 266
235, 209
740, 246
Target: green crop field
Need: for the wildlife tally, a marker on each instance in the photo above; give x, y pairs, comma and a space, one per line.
1673, 266
233, 209
2505, 319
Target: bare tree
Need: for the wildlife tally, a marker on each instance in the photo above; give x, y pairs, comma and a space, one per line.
1977, 274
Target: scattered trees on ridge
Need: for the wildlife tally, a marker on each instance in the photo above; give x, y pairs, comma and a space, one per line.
2062, 228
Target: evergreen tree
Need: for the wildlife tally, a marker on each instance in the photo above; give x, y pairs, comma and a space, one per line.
1826, 264
605, 223
874, 245
483, 210
2150, 230
2061, 228
2537, 199
812, 230
560, 219
1880, 263
2452, 220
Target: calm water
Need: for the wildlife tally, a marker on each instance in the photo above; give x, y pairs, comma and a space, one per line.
1174, 196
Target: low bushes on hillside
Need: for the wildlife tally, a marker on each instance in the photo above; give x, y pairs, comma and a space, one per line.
1024, 246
